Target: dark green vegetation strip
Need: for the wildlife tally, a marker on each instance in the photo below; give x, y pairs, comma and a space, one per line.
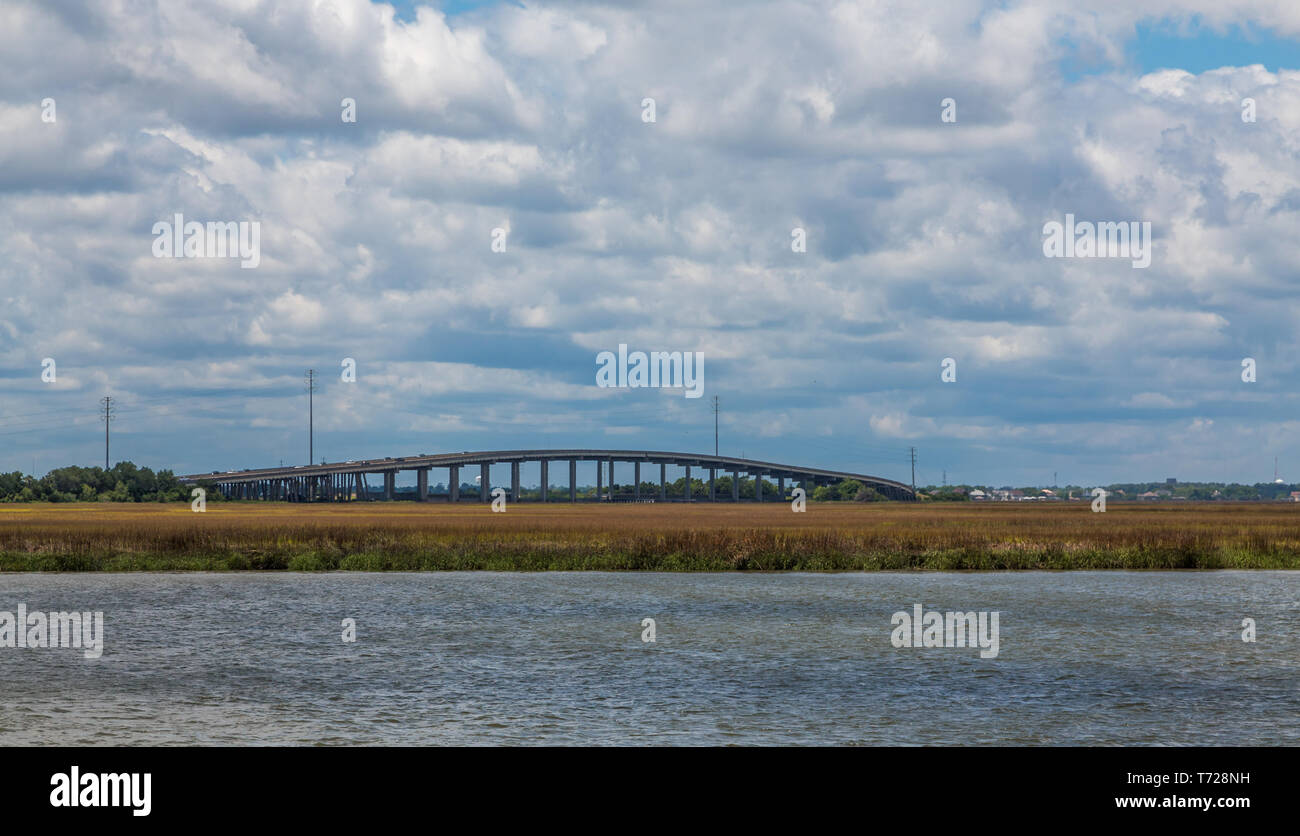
553, 557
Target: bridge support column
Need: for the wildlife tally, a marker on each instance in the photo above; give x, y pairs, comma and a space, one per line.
484, 483
390, 479
781, 488
713, 488
545, 477
735, 486
758, 487
453, 483
600, 480
663, 482
514, 481
573, 480
611, 480
360, 479
636, 481
687, 493
422, 485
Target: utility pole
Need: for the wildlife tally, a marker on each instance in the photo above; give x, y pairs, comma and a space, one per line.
715, 425
106, 417
311, 388
913, 449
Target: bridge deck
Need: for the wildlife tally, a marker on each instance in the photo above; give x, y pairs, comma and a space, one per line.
749, 467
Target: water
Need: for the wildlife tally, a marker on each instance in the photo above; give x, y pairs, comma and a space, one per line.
557, 658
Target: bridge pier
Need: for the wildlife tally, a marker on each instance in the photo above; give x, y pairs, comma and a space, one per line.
514, 481
484, 483
453, 483
663, 482
422, 485
573, 480
713, 491
545, 477
686, 494
611, 479
600, 480
781, 487
758, 487
735, 486
636, 481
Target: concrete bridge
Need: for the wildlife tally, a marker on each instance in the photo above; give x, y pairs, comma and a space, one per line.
346, 480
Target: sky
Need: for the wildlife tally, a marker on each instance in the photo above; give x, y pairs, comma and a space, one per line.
923, 223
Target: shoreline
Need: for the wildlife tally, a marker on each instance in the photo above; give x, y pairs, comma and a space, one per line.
547, 560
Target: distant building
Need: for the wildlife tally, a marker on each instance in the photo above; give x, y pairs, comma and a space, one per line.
1171, 481
977, 495
1149, 495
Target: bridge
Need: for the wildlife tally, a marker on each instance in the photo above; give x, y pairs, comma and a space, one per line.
342, 481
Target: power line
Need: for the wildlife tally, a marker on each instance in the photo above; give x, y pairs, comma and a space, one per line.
107, 418
311, 389
715, 425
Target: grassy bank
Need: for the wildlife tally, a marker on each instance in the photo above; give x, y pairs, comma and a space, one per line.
839, 537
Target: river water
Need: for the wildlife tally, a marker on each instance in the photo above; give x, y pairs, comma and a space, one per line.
559, 658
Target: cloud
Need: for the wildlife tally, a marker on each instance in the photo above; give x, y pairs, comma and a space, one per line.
924, 237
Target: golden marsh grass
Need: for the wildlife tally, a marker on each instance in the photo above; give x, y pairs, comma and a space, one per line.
655, 537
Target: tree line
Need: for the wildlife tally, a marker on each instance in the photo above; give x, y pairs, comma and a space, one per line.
123, 483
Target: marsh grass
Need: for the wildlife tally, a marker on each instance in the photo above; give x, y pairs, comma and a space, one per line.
665, 537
